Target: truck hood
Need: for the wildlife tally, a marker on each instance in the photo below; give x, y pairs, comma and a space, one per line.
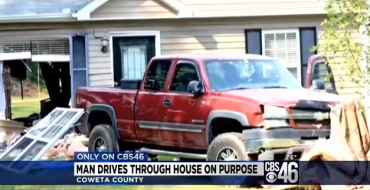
285, 97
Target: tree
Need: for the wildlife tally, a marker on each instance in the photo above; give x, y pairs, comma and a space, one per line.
346, 21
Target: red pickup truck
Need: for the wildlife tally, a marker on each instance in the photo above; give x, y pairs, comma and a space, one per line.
213, 107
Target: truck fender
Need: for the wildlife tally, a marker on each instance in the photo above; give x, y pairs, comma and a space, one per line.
242, 118
107, 109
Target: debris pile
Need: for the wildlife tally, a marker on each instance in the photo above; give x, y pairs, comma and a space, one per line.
65, 148
40, 141
10, 132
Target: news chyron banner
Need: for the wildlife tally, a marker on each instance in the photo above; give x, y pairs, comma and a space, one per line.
135, 169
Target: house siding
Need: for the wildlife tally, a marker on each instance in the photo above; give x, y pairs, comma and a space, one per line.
133, 9
224, 36
180, 36
209, 8
344, 83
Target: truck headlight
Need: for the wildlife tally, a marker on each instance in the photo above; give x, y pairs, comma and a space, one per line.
274, 110
275, 117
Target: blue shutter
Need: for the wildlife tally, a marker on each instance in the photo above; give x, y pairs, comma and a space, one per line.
253, 41
79, 70
307, 41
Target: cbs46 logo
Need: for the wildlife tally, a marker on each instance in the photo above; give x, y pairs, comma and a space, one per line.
288, 171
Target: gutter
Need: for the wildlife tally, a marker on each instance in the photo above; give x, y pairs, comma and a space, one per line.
62, 17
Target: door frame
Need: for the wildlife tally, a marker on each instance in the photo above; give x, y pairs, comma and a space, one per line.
155, 34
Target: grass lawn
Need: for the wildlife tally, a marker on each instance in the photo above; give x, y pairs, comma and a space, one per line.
26, 109
26, 106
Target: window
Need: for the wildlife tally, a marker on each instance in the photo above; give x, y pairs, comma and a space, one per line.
131, 56
284, 46
157, 74
321, 71
184, 74
133, 61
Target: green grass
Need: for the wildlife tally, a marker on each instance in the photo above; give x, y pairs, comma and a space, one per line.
25, 107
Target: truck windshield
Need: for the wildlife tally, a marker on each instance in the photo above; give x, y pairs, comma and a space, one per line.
227, 75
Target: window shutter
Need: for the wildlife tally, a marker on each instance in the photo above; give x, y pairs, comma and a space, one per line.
283, 46
308, 39
253, 41
80, 76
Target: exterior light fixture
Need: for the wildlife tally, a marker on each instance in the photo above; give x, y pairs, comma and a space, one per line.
104, 45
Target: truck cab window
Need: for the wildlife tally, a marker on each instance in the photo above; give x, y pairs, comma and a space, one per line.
157, 74
184, 73
321, 71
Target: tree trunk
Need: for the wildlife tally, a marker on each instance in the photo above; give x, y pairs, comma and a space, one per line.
7, 80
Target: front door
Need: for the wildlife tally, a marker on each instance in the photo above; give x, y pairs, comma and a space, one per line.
131, 57
185, 118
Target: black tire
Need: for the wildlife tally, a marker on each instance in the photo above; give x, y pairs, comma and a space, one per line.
232, 141
103, 132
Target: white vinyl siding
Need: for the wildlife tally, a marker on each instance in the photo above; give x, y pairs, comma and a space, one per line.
284, 46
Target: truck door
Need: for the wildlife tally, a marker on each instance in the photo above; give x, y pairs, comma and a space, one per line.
150, 108
186, 114
318, 69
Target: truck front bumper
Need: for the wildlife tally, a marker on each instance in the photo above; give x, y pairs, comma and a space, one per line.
276, 144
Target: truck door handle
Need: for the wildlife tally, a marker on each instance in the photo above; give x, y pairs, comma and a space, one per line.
167, 102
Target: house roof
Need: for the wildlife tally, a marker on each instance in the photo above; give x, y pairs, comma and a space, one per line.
21, 10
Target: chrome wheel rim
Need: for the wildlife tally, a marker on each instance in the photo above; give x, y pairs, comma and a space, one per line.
100, 145
227, 154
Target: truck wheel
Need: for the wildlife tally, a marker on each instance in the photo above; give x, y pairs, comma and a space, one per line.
227, 147
103, 139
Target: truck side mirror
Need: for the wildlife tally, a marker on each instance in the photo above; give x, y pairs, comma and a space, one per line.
195, 87
318, 84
